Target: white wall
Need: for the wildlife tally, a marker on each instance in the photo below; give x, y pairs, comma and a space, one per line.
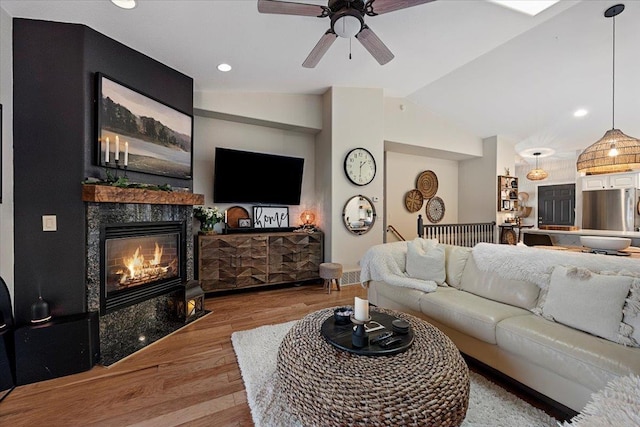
210, 133
407, 123
401, 173
478, 186
294, 112
357, 117
6, 99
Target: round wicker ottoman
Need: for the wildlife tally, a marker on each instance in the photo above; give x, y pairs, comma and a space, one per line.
427, 385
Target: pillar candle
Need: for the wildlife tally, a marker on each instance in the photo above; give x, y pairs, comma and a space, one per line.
117, 155
126, 153
106, 152
361, 309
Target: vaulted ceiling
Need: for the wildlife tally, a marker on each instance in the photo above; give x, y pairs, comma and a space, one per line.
486, 68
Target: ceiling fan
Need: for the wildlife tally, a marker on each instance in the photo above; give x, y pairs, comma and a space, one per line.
347, 20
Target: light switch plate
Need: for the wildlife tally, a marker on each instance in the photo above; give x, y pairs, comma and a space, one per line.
49, 223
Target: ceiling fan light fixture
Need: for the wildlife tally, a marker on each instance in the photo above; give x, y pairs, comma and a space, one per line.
347, 24
615, 151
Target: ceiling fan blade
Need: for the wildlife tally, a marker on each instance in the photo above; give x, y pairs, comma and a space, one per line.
374, 45
289, 8
378, 7
320, 49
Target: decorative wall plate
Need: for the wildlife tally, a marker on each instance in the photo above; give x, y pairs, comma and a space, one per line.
435, 209
427, 183
235, 213
413, 200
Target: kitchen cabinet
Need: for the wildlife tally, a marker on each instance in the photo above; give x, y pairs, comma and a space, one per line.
613, 180
507, 193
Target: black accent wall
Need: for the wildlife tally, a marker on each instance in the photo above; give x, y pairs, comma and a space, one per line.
54, 149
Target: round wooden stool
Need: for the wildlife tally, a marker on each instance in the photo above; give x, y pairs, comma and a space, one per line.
330, 272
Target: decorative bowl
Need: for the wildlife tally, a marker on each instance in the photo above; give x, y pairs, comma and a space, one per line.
342, 315
605, 243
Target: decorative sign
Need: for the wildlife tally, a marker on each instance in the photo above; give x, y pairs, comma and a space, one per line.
270, 217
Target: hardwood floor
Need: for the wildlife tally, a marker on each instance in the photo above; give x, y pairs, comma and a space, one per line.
190, 378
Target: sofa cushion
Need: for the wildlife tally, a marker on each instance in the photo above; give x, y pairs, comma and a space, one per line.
588, 301
468, 313
425, 260
490, 285
454, 262
406, 296
568, 352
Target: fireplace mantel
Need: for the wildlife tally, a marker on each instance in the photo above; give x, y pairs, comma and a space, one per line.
108, 194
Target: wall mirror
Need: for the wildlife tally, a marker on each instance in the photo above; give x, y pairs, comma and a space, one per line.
359, 214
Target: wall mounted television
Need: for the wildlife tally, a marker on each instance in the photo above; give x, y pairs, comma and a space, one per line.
250, 177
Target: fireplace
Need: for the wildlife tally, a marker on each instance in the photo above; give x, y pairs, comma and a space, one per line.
140, 261
135, 312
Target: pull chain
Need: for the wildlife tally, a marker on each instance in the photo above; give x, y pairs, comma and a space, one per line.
349, 47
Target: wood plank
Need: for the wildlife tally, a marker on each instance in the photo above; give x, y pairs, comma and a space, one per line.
109, 194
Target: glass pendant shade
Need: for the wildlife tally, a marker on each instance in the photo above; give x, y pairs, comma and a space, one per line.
597, 158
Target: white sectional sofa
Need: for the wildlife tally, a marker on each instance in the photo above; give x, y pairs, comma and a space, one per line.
510, 307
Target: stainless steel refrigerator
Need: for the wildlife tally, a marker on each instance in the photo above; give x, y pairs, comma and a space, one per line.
611, 209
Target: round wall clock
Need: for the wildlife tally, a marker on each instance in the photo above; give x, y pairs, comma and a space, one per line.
360, 166
435, 209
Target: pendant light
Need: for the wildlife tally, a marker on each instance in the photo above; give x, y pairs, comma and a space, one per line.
615, 151
537, 174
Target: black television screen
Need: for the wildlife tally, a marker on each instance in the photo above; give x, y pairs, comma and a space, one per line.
248, 177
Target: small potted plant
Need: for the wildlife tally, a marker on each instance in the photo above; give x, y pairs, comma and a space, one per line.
208, 218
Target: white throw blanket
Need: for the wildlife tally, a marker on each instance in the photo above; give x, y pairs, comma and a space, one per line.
536, 264
618, 404
386, 262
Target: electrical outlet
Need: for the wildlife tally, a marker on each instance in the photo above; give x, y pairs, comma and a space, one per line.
49, 223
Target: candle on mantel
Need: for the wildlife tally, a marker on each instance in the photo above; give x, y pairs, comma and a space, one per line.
361, 309
106, 152
117, 155
126, 153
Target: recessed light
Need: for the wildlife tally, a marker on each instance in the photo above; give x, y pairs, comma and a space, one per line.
530, 7
125, 4
580, 113
224, 67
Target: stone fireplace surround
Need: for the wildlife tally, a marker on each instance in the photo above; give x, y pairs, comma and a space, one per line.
131, 328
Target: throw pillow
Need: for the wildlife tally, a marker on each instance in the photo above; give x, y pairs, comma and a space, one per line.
455, 262
589, 302
425, 260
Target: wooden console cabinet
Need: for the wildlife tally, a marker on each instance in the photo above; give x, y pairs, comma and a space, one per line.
233, 261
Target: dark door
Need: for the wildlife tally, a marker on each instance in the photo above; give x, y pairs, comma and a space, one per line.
556, 204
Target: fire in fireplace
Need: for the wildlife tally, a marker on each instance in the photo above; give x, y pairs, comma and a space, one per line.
140, 261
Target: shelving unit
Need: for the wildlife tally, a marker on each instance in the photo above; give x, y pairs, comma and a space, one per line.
507, 193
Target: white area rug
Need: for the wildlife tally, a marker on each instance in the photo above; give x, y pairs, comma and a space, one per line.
257, 349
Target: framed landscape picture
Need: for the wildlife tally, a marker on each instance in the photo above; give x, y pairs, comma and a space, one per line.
141, 133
